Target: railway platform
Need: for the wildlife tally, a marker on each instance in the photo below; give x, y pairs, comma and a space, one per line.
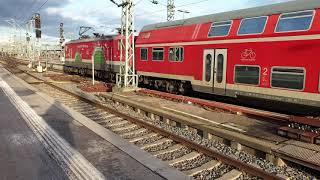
43, 141
22, 155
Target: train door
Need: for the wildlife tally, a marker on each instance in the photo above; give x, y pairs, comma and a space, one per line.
208, 69
220, 71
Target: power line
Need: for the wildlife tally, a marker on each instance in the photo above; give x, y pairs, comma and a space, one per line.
154, 12
29, 17
192, 3
42, 6
33, 3
158, 2
182, 5
138, 2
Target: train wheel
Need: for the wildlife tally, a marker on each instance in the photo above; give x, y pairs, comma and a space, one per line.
99, 74
170, 87
83, 72
182, 89
157, 85
112, 78
141, 79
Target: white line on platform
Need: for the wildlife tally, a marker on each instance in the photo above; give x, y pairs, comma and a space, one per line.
204, 119
121, 95
72, 162
233, 127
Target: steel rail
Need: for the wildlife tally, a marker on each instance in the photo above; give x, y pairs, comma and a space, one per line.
235, 108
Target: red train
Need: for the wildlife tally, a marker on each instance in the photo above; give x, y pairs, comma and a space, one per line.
78, 56
267, 52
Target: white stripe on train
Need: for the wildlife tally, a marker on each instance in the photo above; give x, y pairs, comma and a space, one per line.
234, 41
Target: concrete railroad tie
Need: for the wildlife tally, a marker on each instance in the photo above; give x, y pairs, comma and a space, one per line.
207, 166
132, 133
231, 175
170, 149
147, 136
156, 143
192, 155
71, 161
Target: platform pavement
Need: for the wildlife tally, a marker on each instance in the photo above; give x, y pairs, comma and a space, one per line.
22, 156
108, 159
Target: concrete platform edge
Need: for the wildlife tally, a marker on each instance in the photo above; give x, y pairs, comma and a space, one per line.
238, 137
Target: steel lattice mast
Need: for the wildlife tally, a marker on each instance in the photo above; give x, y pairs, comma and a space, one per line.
170, 10
61, 41
127, 77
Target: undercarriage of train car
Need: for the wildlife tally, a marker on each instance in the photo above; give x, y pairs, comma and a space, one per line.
166, 85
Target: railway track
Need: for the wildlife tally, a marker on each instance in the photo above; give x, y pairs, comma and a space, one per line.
185, 151
177, 152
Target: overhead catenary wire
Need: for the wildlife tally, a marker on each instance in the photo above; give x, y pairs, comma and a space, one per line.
42, 6
178, 6
37, 10
138, 2
34, 2
144, 13
192, 3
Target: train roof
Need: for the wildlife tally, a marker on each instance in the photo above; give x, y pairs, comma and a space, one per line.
291, 6
109, 37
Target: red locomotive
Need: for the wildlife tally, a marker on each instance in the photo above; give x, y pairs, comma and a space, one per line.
78, 55
266, 52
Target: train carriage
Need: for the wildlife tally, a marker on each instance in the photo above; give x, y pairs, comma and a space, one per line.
267, 52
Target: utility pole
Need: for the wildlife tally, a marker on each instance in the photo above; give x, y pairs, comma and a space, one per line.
29, 42
37, 30
127, 78
62, 39
12, 38
170, 10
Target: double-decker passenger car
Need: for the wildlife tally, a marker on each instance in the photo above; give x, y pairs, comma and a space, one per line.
268, 52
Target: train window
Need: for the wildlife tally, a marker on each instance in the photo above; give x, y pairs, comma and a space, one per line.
176, 54
247, 75
220, 29
220, 68
208, 66
157, 54
144, 54
288, 78
254, 25
297, 21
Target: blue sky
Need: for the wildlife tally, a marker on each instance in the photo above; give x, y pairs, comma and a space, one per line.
105, 16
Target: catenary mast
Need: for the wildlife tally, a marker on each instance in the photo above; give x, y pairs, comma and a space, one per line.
170, 10
127, 78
